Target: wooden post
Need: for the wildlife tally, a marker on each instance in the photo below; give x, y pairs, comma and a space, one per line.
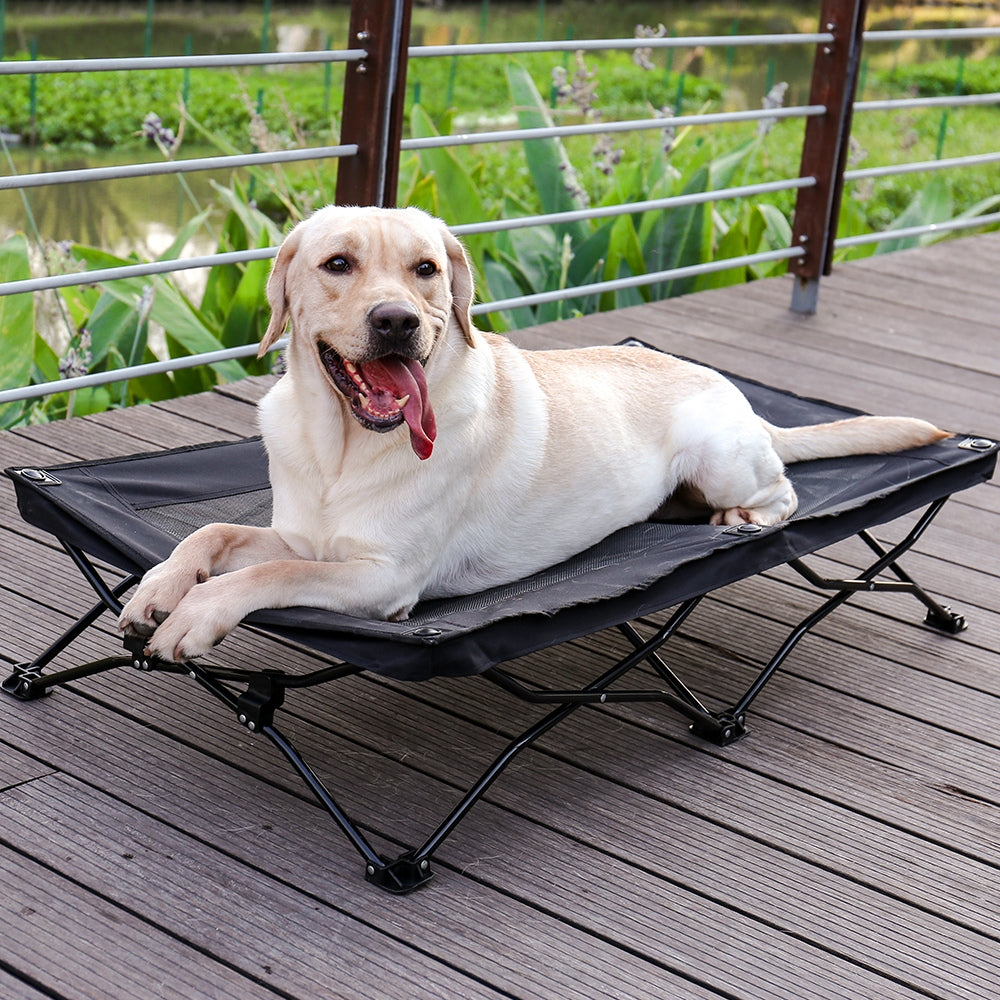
373, 103
824, 151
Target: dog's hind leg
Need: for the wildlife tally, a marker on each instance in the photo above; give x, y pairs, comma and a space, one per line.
742, 479
767, 506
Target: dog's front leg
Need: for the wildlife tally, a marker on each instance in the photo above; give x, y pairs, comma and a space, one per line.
213, 549
368, 588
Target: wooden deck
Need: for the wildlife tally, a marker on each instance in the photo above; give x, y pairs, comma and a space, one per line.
848, 848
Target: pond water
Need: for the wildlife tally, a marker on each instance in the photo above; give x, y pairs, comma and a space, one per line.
143, 214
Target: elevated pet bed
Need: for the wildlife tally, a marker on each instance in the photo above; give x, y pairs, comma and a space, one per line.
131, 512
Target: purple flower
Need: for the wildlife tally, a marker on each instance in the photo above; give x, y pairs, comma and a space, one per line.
154, 130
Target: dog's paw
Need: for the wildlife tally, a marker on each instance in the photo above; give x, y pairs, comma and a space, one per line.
202, 619
159, 592
732, 517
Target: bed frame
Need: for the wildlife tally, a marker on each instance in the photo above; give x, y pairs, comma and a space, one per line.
128, 513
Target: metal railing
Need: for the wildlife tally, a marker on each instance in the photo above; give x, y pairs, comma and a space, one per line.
372, 141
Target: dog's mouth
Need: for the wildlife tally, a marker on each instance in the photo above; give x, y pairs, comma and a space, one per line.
385, 393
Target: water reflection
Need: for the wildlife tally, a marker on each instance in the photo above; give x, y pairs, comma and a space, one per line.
140, 215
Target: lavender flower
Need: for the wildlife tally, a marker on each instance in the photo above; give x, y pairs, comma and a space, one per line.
642, 57
606, 154
668, 132
571, 182
774, 98
154, 130
579, 91
77, 360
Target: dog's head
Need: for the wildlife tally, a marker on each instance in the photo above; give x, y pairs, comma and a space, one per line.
370, 292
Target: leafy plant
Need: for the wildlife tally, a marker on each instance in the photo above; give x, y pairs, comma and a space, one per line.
562, 255
114, 324
126, 322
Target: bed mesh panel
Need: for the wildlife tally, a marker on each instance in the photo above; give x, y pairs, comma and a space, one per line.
180, 519
624, 545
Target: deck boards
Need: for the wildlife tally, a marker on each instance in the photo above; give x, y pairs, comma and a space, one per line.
848, 848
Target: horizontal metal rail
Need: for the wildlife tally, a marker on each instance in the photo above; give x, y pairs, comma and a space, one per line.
636, 281
166, 167
234, 161
908, 103
609, 44
930, 34
631, 208
952, 225
916, 167
104, 274
50, 282
134, 371
33, 67
604, 128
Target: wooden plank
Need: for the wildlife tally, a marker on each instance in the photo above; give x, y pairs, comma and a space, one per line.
469, 926
233, 913
15, 988
73, 943
249, 390
199, 725
469, 702
370, 724
489, 835
17, 768
844, 336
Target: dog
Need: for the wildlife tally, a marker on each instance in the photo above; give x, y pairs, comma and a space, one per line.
412, 456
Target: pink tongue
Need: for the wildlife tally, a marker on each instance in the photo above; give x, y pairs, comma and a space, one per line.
395, 377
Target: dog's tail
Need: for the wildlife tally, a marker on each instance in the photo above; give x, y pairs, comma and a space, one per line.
854, 436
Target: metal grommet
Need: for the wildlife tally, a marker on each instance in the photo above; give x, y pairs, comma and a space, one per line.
426, 632
977, 444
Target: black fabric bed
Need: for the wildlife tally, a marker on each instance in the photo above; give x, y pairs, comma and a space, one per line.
130, 512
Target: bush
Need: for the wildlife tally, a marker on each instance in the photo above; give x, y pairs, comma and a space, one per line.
945, 78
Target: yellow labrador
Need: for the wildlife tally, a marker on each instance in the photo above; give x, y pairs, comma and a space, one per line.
413, 456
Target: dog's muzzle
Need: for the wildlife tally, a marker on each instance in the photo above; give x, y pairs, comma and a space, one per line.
385, 392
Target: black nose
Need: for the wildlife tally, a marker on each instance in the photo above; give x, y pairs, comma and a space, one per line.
395, 322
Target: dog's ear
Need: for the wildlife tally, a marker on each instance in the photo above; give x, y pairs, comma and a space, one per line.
462, 285
276, 294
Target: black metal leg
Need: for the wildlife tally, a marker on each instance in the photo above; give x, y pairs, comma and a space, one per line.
265, 690
865, 581
27, 682
938, 616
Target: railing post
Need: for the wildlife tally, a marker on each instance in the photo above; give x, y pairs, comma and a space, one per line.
374, 92
824, 150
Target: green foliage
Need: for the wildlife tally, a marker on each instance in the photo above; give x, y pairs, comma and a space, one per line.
551, 258
131, 321
105, 110
945, 77
112, 324
17, 322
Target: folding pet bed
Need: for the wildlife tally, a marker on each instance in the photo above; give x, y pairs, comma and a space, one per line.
130, 512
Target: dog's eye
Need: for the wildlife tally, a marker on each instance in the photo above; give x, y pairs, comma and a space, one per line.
427, 269
338, 264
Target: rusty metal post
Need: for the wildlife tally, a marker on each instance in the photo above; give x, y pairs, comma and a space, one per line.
824, 150
374, 93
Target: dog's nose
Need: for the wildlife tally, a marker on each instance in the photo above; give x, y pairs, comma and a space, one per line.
395, 322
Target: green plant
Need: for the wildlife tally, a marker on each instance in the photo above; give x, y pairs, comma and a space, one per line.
126, 322
113, 325
563, 255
